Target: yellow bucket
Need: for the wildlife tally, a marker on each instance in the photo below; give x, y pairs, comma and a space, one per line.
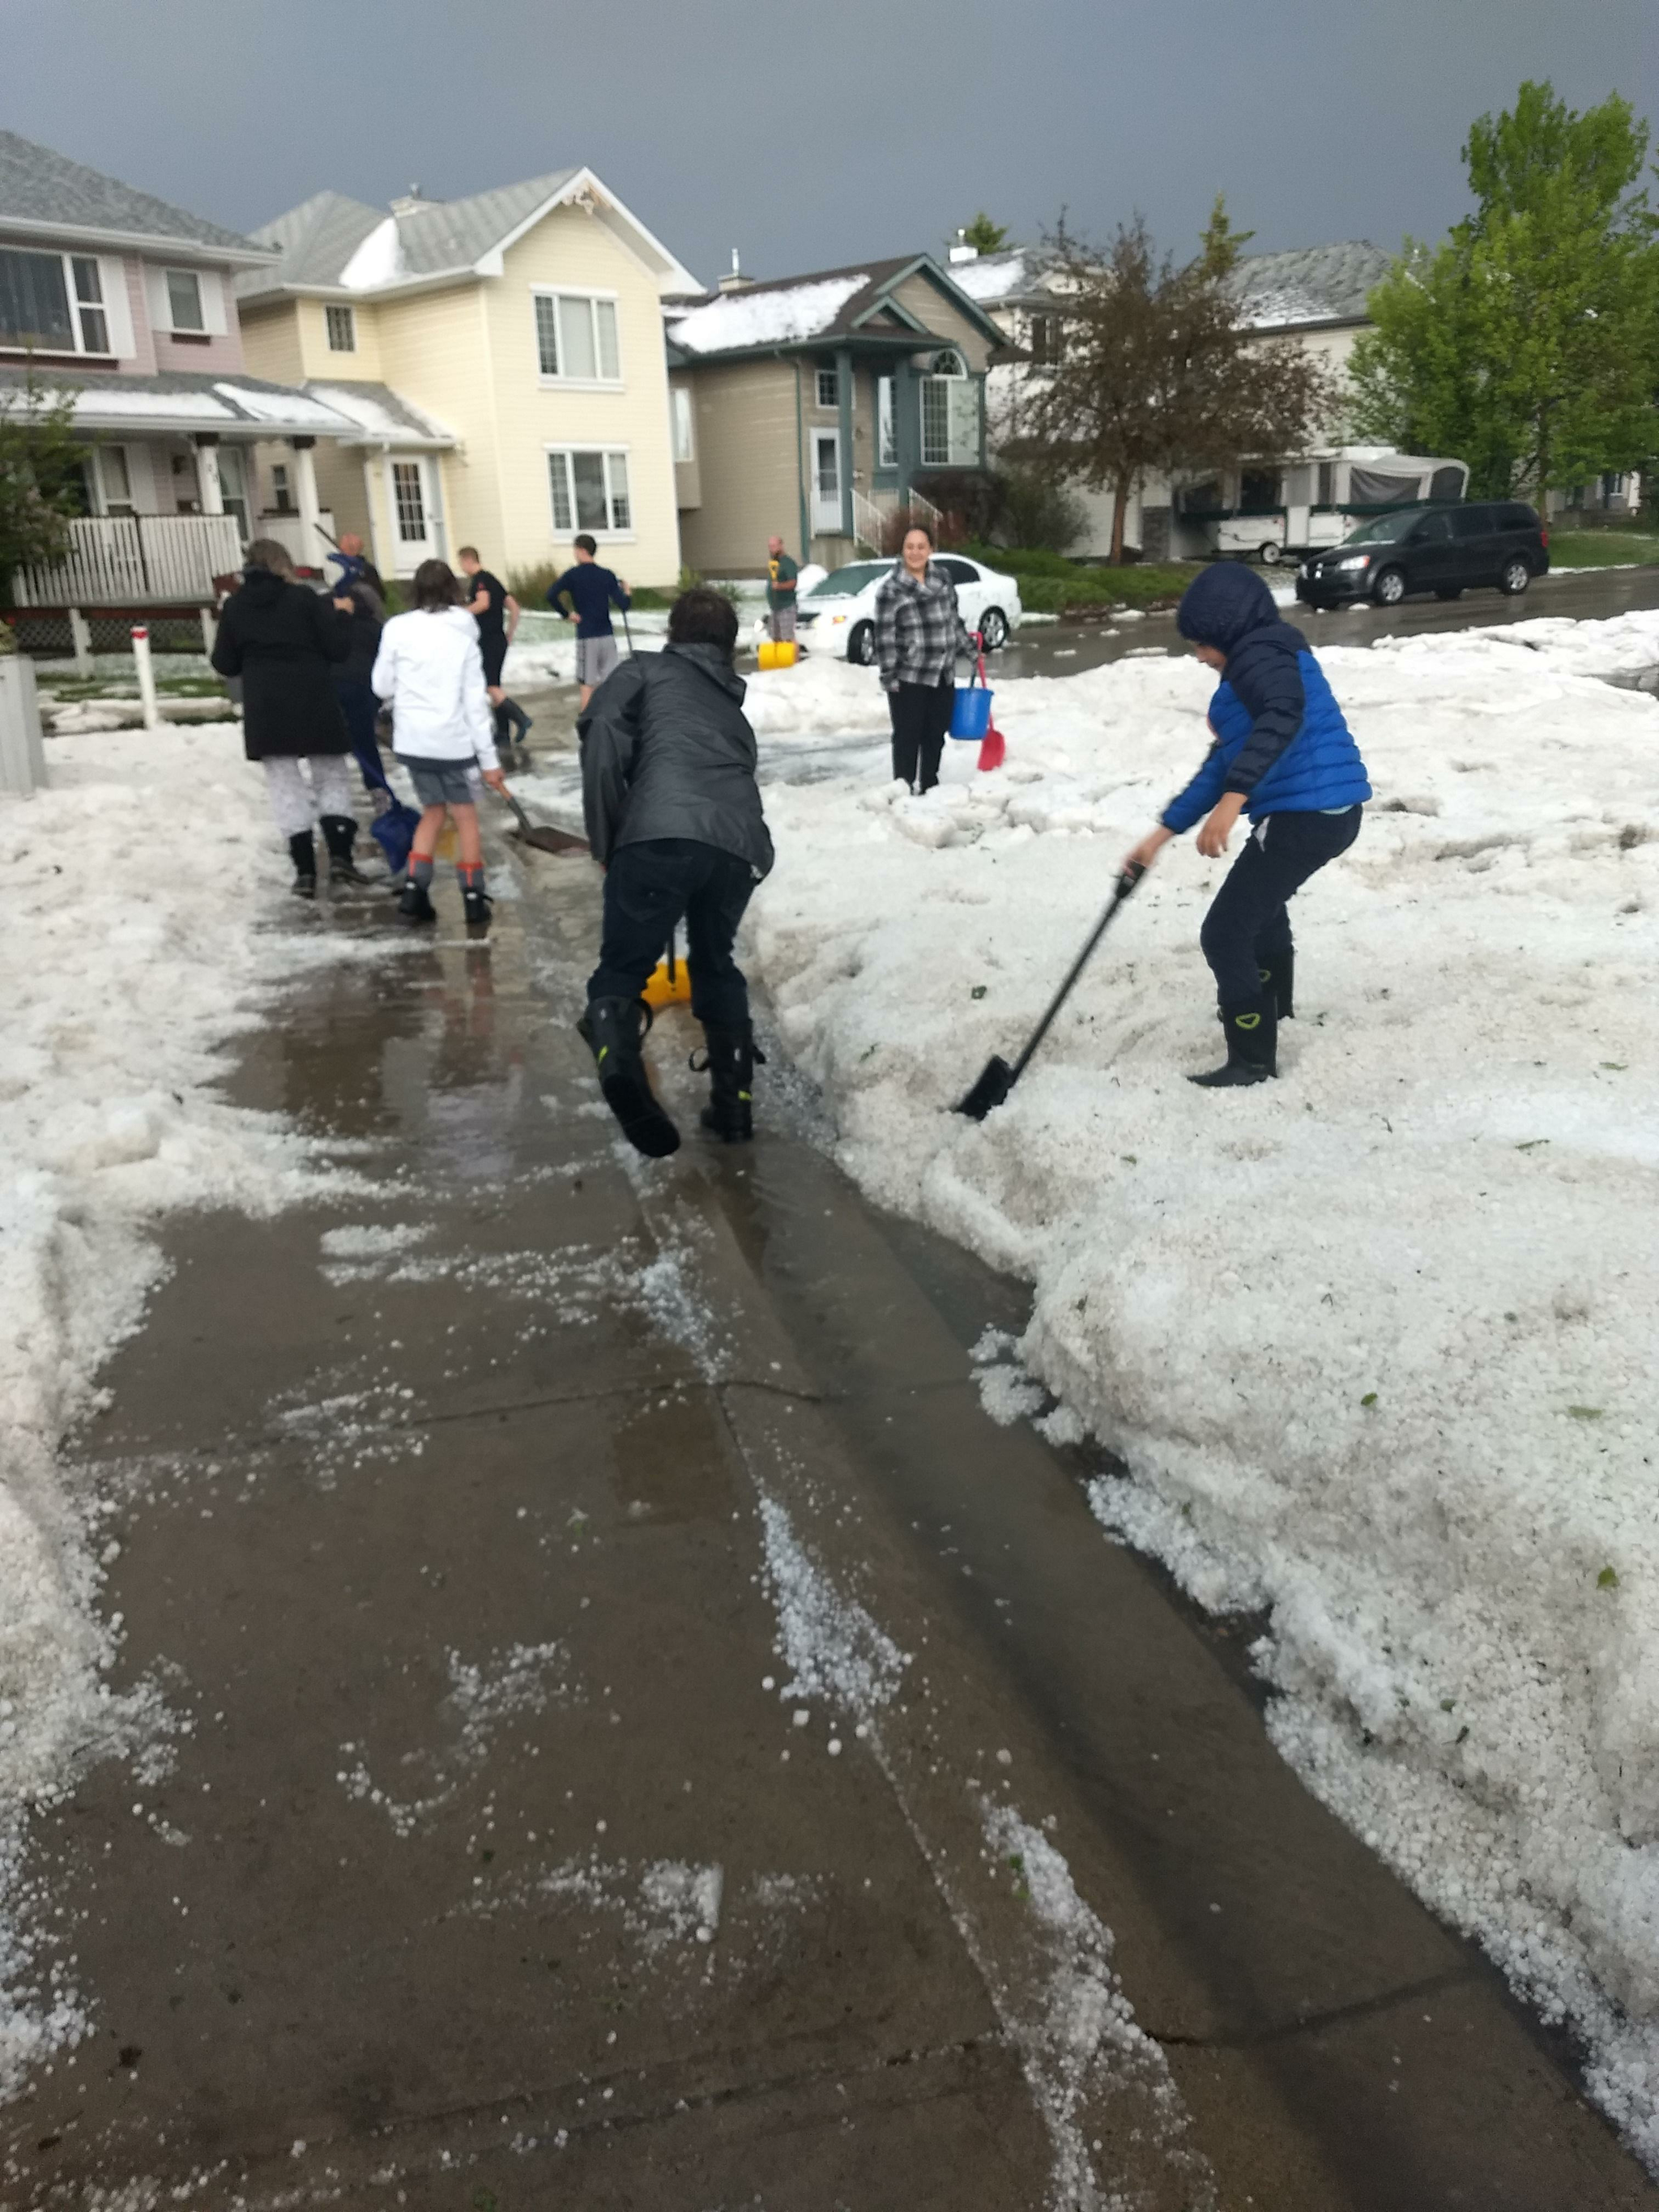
777, 652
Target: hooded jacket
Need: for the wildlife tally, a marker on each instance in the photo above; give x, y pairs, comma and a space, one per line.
430, 673
919, 628
1280, 738
667, 751
284, 643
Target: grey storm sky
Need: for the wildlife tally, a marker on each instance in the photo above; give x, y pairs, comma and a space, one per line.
813, 136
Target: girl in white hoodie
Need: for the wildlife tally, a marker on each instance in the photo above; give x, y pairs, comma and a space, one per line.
430, 673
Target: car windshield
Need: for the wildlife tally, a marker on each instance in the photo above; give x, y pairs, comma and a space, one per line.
847, 583
1385, 529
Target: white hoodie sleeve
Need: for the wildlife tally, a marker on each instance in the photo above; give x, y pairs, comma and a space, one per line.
383, 678
475, 704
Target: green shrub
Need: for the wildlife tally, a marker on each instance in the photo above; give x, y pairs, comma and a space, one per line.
1035, 511
1146, 583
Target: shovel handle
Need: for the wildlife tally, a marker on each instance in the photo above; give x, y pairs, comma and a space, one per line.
1127, 881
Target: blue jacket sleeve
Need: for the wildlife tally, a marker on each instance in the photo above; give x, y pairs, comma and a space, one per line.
1269, 685
1200, 795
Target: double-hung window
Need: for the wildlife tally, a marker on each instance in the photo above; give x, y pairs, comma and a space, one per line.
184, 302
886, 436
576, 338
54, 301
341, 328
685, 443
588, 486
828, 388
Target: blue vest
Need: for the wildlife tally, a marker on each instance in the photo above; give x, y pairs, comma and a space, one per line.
1320, 767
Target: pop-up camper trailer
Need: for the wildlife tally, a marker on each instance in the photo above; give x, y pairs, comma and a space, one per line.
1273, 510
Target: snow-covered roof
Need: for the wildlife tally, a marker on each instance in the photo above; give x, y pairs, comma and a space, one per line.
333, 243
179, 401
767, 315
1309, 284
44, 191
994, 277
382, 414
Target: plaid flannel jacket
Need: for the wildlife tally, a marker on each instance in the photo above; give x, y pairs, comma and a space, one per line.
919, 631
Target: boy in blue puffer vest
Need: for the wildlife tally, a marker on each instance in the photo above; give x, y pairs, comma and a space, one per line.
1284, 756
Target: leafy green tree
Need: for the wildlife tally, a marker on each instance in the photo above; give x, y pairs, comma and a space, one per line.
1527, 343
989, 237
1154, 372
42, 481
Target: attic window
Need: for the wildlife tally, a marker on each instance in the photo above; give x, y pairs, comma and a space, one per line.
341, 328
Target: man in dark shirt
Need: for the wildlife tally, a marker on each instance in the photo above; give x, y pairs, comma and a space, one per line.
495, 611
592, 591
780, 592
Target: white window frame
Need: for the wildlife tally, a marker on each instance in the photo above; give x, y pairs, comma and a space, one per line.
832, 378
562, 533
348, 313
282, 489
683, 422
939, 373
886, 422
188, 330
556, 380
109, 273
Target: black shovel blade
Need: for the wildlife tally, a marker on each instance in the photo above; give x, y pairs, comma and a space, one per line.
995, 1084
549, 841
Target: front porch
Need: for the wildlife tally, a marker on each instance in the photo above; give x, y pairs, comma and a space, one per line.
155, 560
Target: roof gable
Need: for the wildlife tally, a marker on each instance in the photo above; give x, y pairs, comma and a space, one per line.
332, 243
815, 309
41, 188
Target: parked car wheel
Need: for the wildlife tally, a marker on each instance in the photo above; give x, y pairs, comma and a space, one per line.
1515, 578
1449, 591
1390, 588
993, 629
1270, 554
861, 646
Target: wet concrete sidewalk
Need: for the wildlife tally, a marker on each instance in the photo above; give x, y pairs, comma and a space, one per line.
632, 1732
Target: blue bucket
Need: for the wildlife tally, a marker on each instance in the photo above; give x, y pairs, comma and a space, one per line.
970, 716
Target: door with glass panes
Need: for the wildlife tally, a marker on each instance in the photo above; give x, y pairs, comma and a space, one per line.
826, 481
412, 502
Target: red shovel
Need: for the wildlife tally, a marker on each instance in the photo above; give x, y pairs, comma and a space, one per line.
992, 746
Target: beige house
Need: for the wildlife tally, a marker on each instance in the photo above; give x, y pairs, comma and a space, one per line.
502, 356
809, 408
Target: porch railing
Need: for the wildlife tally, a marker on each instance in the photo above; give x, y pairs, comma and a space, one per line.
126, 560
871, 516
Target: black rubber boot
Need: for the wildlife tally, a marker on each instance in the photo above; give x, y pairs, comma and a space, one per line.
416, 904
730, 1059
476, 903
614, 1029
1251, 1027
1279, 978
302, 850
340, 835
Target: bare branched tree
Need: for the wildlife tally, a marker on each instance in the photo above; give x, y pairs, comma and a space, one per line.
1154, 371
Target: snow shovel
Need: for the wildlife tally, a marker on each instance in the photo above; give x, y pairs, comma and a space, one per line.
544, 839
998, 1078
670, 984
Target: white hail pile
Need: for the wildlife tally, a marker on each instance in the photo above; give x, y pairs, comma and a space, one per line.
1374, 1343
130, 893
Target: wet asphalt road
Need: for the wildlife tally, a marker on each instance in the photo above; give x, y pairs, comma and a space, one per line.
480, 1862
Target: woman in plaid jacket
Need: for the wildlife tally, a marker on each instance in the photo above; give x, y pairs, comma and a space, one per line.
919, 633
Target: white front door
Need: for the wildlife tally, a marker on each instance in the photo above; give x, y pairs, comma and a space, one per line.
412, 502
826, 481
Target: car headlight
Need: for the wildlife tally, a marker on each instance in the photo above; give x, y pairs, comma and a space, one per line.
1353, 561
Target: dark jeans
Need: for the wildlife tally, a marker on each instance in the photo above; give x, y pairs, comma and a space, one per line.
921, 715
648, 887
1247, 925
360, 707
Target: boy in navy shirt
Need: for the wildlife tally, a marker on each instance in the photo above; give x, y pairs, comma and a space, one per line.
592, 591
1284, 756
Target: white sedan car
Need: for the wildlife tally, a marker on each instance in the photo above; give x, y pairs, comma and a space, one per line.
838, 615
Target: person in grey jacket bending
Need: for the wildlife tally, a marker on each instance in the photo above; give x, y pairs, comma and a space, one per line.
673, 814
919, 633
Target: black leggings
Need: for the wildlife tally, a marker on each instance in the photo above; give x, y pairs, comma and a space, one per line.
921, 715
1247, 925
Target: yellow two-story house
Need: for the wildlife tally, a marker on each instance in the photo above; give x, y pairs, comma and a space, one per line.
503, 355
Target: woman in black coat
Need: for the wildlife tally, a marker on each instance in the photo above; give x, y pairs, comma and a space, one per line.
284, 641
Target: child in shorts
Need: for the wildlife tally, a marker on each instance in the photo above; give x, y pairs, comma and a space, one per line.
430, 673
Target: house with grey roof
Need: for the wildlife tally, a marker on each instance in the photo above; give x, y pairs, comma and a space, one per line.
127, 305
810, 408
1315, 294
499, 357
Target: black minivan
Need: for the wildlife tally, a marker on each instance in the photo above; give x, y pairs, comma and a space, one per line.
1442, 550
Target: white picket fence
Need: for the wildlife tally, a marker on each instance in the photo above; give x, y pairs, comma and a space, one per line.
130, 560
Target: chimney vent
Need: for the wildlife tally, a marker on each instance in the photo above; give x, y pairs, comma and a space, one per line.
736, 281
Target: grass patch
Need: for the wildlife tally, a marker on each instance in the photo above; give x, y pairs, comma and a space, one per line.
1050, 584
1602, 549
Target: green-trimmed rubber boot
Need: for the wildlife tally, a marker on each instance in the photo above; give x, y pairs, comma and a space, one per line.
1251, 1026
731, 1059
615, 1030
